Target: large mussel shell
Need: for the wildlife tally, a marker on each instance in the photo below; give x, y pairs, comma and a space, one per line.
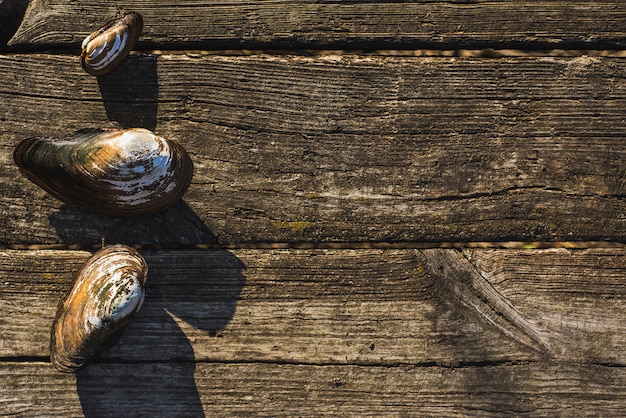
127, 172
107, 291
106, 48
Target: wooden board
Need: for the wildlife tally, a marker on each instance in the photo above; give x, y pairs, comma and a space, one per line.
381, 307
337, 24
275, 332
258, 389
592, 289
311, 149
337, 148
318, 307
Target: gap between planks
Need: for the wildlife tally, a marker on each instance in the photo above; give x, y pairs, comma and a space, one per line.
526, 245
310, 52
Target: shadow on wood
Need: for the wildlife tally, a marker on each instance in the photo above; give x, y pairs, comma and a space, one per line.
11, 15
131, 103
451, 272
112, 388
176, 225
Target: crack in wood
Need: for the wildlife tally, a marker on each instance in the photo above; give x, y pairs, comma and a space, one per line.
381, 364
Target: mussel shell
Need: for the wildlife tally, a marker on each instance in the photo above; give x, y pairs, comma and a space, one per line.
125, 172
107, 291
106, 48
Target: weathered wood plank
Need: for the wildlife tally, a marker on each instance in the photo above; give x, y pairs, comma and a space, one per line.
339, 24
338, 148
590, 283
180, 389
384, 307
459, 278
566, 302
321, 307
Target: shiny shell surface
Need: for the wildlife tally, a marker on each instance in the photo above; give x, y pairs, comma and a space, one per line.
106, 48
125, 172
107, 291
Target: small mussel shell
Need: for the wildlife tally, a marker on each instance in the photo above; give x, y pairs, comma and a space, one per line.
119, 172
107, 291
107, 47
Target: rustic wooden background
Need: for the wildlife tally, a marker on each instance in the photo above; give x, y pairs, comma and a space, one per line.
350, 156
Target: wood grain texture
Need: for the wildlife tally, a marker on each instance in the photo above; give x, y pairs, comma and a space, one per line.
459, 277
214, 389
594, 292
379, 307
311, 307
332, 148
338, 148
338, 24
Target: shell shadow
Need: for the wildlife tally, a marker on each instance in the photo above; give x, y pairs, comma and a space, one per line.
174, 226
11, 16
156, 375
130, 93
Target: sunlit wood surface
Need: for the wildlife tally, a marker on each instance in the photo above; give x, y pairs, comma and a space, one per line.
303, 272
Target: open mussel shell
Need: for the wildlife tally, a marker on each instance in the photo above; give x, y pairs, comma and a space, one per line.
106, 48
120, 172
107, 291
